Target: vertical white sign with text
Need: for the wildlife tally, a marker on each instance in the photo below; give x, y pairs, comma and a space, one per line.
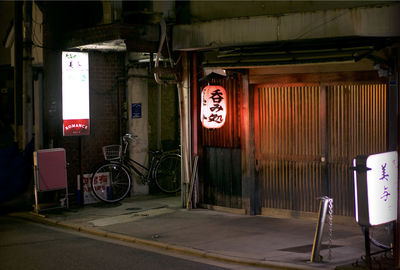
382, 187
75, 93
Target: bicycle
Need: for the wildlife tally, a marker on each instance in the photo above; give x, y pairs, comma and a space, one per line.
114, 174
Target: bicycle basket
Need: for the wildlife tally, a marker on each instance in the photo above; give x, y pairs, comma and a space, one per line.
112, 152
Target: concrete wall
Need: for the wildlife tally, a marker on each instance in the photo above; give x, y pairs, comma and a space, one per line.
373, 21
158, 125
215, 10
138, 125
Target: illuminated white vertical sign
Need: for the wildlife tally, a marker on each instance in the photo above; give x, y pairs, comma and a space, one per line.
75, 93
376, 189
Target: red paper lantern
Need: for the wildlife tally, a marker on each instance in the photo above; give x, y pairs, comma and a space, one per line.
213, 106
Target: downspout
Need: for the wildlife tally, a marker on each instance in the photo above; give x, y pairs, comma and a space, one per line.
18, 73
27, 117
184, 109
162, 39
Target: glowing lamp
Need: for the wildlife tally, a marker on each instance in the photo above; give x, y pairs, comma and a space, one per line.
75, 93
213, 106
375, 187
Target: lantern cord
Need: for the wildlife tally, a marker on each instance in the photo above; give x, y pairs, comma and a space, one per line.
162, 40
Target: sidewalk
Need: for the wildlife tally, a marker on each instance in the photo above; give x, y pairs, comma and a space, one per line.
250, 240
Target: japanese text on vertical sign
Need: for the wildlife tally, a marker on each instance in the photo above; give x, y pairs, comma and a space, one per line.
75, 93
385, 177
382, 187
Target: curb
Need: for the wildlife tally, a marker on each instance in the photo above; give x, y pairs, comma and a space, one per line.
174, 248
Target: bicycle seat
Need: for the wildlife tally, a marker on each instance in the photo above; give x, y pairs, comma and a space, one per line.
155, 152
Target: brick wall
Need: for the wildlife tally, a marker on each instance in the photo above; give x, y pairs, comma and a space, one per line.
107, 94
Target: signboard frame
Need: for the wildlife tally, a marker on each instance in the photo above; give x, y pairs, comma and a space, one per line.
75, 93
375, 188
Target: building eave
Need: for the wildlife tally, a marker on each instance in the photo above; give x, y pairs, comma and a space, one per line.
383, 21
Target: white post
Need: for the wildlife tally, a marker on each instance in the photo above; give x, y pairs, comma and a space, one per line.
184, 108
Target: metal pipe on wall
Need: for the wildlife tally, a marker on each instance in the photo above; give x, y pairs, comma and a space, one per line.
27, 110
18, 71
159, 116
183, 93
38, 104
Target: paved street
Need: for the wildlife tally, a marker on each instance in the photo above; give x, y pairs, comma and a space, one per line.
26, 245
160, 223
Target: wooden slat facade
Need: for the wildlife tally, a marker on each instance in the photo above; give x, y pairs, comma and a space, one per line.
220, 165
288, 146
357, 125
306, 137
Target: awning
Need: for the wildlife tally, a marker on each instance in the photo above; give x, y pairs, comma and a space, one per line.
300, 52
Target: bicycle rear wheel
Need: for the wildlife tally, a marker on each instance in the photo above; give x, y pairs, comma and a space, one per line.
111, 182
168, 174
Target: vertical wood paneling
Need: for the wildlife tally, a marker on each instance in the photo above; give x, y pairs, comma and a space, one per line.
289, 141
288, 146
220, 169
356, 126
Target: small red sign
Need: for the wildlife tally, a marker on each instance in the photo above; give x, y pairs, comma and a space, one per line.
76, 127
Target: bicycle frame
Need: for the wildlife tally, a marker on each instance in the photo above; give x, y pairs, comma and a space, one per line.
133, 165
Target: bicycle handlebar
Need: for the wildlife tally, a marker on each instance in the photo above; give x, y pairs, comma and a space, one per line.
129, 137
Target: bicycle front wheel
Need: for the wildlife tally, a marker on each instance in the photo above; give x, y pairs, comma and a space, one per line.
111, 182
168, 174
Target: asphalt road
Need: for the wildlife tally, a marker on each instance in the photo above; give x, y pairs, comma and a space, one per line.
27, 245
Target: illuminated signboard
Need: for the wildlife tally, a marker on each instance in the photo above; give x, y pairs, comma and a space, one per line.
75, 93
213, 106
375, 185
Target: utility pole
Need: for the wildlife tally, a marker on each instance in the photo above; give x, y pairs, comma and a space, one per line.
27, 107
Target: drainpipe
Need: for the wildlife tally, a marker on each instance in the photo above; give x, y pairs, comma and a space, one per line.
27, 119
38, 104
159, 116
18, 72
184, 108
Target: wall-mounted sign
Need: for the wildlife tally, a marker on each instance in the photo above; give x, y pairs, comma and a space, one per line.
213, 106
75, 93
136, 110
375, 186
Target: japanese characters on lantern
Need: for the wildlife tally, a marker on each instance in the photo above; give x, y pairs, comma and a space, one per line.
213, 106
